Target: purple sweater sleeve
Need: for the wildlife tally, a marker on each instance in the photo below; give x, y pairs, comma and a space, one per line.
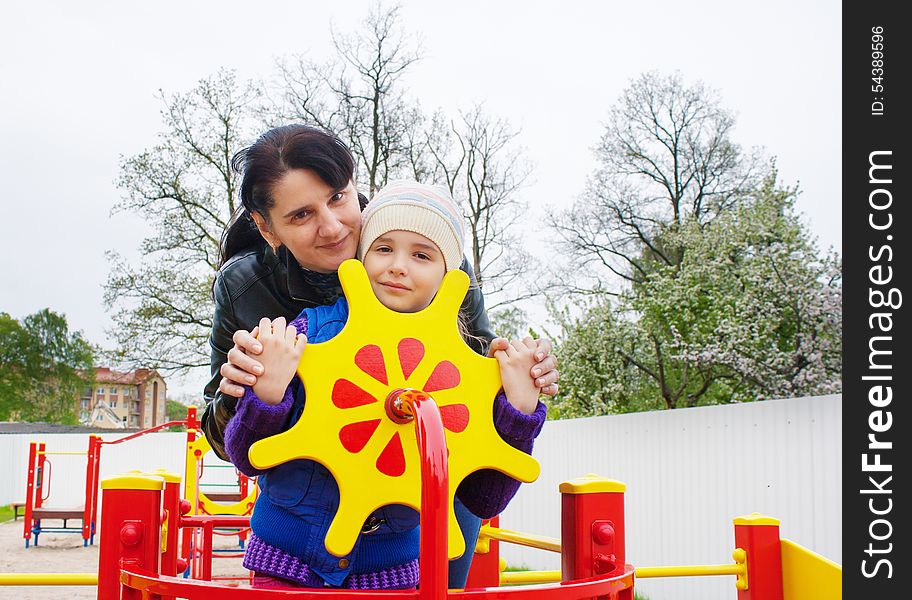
487, 492
255, 420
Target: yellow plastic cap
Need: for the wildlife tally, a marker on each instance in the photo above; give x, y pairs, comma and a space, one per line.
592, 484
133, 482
756, 519
168, 476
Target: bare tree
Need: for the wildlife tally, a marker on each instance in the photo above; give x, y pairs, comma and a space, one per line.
358, 96
185, 190
478, 159
666, 158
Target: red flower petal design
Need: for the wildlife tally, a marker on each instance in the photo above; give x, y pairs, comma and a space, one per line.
346, 394
455, 417
392, 460
411, 351
354, 436
444, 377
370, 360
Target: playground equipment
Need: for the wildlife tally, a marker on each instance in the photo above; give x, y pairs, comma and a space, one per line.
38, 491
197, 543
37, 511
142, 515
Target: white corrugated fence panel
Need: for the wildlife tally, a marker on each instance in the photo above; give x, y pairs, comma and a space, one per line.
688, 473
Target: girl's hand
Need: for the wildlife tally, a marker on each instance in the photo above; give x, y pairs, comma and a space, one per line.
282, 349
544, 371
515, 363
241, 369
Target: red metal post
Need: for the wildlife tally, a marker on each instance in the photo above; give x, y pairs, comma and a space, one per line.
192, 423
205, 552
30, 492
130, 531
432, 545
758, 536
592, 529
88, 514
42, 480
95, 495
187, 548
485, 569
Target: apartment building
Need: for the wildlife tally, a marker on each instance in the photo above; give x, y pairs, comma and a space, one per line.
119, 400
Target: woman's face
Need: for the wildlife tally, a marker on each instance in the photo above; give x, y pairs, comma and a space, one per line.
319, 225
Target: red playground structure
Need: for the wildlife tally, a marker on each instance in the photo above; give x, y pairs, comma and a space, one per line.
38, 491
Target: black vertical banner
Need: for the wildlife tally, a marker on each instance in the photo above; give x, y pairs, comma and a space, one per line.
876, 170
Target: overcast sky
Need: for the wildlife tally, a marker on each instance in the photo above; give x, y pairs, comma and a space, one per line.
79, 83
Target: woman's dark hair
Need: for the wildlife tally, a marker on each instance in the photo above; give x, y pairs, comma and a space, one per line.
265, 162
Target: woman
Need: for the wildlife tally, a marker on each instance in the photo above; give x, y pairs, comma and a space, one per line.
299, 221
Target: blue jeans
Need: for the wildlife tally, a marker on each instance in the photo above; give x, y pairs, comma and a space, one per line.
469, 524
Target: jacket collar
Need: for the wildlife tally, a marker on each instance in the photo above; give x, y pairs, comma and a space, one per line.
304, 284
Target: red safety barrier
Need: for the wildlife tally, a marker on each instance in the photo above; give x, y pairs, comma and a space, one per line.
138, 535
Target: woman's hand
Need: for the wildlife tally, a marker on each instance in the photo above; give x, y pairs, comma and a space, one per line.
241, 369
515, 363
544, 371
282, 350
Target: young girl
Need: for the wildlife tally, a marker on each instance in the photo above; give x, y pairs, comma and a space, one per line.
411, 235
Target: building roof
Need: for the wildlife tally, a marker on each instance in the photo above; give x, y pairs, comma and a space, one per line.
136, 377
10, 427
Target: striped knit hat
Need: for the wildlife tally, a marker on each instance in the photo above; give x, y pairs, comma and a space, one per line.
428, 210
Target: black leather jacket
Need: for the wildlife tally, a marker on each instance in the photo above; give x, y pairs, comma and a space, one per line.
255, 284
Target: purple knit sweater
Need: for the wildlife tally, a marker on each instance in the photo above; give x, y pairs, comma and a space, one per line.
486, 493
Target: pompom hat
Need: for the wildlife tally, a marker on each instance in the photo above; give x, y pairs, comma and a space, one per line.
428, 210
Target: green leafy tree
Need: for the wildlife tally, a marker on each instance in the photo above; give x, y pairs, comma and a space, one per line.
750, 312
175, 411
43, 368
596, 379
753, 307
14, 377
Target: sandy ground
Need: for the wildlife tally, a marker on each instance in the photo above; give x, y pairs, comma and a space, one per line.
64, 553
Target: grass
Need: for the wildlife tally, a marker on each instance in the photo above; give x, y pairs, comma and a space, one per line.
515, 568
6, 513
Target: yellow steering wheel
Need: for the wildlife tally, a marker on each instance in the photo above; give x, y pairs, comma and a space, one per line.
346, 426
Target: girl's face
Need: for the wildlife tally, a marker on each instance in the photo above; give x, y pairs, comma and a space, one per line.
319, 225
405, 270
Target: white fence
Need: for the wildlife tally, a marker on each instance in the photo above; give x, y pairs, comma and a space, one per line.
688, 472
